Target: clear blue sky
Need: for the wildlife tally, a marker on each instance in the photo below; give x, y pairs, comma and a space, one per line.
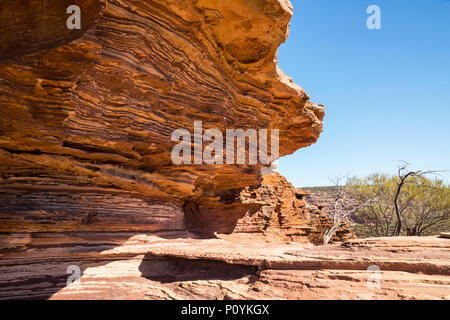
386, 92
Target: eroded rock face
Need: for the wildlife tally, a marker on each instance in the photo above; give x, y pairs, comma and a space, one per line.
87, 115
86, 177
284, 213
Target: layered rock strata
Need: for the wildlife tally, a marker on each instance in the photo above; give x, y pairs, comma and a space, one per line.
86, 122
285, 214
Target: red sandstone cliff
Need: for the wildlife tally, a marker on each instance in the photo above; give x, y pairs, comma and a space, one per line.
86, 177
87, 115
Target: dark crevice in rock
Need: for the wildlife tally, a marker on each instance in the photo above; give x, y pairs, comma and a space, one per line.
173, 269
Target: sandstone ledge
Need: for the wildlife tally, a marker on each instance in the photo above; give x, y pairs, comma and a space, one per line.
174, 266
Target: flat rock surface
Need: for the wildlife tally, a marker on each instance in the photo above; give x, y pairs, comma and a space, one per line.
177, 266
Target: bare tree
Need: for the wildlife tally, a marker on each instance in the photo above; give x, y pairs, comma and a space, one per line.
403, 175
423, 205
340, 210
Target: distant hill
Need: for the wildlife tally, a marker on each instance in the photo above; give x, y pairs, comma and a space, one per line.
319, 189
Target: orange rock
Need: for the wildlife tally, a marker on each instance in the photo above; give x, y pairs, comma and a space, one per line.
86, 122
87, 116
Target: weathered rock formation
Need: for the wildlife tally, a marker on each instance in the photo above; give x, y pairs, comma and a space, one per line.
87, 115
285, 214
87, 181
